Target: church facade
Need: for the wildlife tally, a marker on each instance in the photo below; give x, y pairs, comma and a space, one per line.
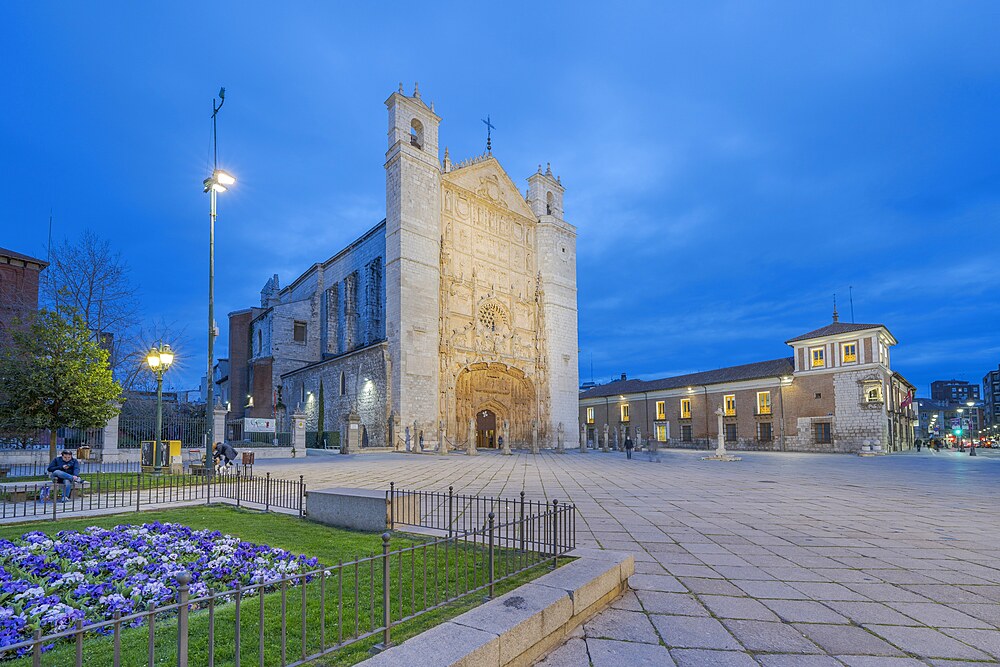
455, 317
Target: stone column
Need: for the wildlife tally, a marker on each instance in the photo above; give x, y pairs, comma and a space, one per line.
298, 433
219, 423
396, 425
506, 438
638, 438
721, 449
471, 450
417, 445
442, 440
534, 436
353, 440
604, 441
407, 439
109, 441
614, 446
583, 438
560, 439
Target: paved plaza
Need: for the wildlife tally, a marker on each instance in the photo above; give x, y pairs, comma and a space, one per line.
776, 560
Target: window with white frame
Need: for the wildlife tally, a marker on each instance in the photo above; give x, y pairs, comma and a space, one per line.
661, 410
590, 415
763, 402
623, 410
729, 401
818, 356
685, 408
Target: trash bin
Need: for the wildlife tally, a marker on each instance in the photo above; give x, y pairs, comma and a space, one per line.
83, 453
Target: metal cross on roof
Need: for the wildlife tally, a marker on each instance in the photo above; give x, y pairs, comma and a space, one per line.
489, 128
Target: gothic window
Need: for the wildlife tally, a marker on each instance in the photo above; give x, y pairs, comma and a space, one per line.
332, 319
260, 341
351, 312
343, 383
299, 331
416, 133
492, 316
550, 205
373, 299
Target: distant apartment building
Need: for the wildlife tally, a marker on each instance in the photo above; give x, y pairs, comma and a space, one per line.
19, 278
943, 418
955, 391
991, 398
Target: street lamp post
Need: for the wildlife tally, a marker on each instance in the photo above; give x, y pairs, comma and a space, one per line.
972, 435
958, 438
159, 359
218, 182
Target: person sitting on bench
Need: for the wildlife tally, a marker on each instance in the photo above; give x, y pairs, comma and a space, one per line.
65, 468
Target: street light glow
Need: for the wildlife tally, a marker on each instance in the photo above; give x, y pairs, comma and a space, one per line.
224, 178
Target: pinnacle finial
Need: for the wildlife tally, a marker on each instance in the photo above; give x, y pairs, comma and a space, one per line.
416, 90
400, 86
836, 318
432, 105
548, 168
539, 169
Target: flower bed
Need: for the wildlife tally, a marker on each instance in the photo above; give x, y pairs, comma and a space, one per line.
49, 583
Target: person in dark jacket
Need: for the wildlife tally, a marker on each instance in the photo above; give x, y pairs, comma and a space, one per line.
223, 450
628, 446
65, 468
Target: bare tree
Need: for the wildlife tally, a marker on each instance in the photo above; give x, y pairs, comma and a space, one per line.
95, 280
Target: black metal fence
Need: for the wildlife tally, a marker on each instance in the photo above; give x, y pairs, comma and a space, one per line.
336, 606
132, 431
32, 439
39, 468
237, 435
103, 490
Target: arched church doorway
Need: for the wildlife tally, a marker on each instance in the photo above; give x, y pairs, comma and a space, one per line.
486, 429
504, 393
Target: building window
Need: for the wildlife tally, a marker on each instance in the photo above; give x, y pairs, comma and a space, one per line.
260, 342
686, 408
873, 391
661, 432
730, 404
764, 432
299, 332
623, 409
343, 383
686, 433
763, 402
590, 415
730, 432
818, 360
823, 433
661, 410
849, 353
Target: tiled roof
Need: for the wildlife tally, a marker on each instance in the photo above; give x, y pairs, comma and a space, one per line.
26, 258
760, 369
834, 329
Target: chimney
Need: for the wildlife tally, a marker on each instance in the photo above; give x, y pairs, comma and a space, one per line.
624, 377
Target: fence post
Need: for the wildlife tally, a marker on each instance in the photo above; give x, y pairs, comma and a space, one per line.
138, 489
492, 562
392, 501
53, 496
521, 521
36, 650
555, 534
451, 506
237, 487
182, 619
267, 492
302, 493
386, 597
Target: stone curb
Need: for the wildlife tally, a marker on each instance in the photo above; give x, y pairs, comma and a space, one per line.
518, 628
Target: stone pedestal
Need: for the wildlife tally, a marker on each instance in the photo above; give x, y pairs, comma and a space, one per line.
720, 451
442, 440
397, 439
560, 439
471, 449
219, 423
583, 438
109, 448
534, 436
407, 440
298, 434
604, 442
506, 438
352, 440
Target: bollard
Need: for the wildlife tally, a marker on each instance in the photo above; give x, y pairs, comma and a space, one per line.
267, 492
182, 619
386, 597
492, 562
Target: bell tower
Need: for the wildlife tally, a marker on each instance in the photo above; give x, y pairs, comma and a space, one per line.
412, 269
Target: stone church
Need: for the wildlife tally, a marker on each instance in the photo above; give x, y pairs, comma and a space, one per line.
455, 317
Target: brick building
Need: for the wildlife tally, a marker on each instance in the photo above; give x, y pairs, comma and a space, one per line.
954, 391
19, 276
834, 394
455, 315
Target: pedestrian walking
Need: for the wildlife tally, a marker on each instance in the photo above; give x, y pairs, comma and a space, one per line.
918, 442
629, 446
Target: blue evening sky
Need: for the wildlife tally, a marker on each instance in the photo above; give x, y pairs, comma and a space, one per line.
729, 165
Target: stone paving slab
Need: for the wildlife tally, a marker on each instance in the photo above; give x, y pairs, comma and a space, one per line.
832, 556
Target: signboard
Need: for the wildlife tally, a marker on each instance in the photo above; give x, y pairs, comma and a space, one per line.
258, 425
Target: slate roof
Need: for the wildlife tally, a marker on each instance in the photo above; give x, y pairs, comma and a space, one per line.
759, 369
834, 329
26, 258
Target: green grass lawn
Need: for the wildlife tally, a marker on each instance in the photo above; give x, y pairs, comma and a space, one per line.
451, 569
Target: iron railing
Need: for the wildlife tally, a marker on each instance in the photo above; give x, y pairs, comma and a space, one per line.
132, 431
34, 500
335, 606
39, 468
31, 439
